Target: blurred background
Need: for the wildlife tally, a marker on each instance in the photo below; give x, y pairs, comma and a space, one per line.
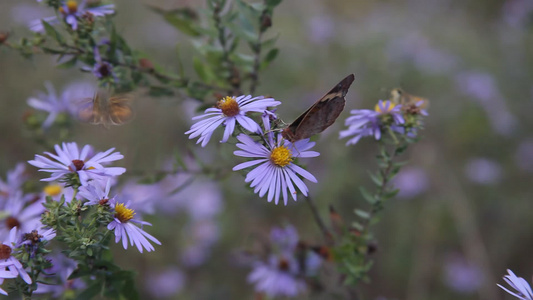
464, 213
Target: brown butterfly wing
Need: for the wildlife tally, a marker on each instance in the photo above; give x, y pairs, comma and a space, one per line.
320, 115
119, 110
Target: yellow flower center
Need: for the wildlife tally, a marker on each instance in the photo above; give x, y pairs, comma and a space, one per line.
378, 109
53, 190
72, 6
123, 213
281, 156
229, 106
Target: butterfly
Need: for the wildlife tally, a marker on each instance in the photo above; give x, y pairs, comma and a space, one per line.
321, 114
106, 109
398, 96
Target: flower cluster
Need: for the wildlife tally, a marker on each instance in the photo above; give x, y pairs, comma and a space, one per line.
273, 157
287, 267
386, 116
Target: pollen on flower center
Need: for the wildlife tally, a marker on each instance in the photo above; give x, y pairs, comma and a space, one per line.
72, 6
229, 106
391, 106
12, 222
281, 156
123, 214
78, 164
5, 251
53, 190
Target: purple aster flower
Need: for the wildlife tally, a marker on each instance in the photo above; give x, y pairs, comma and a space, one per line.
70, 160
65, 103
95, 193
411, 181
123, 227
228, 111
276, 171
365, 122
8, 261
278, 276
483, 171
17, 214
519, 284
166, 283
284, 238
101, 68
72, 12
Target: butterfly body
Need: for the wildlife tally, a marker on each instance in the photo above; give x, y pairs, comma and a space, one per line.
399, 96
321, 114
106, 110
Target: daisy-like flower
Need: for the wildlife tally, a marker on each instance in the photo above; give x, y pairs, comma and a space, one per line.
72, 11
16, 214
228, 111
277, 277
276, 171
522, 289
55, 104
123, 227
365, 122
69, 160
95, 193
8, 262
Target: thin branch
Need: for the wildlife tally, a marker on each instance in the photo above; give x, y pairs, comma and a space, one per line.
317, 218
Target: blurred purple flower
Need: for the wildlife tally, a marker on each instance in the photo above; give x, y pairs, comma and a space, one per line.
461, 275
411, 181
417, 49
65, 103
524, 155
86, 165
366, 122
62, 268
277, 277
17, 214
166, 283
519, 284
285, 239
320, 29
276, 171
482, 88
71, 11
483, 171
200, 236
228, 112
517, 13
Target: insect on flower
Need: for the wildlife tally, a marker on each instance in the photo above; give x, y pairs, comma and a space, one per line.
106, 109
320, 115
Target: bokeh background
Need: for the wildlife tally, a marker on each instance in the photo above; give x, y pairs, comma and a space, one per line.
464, 213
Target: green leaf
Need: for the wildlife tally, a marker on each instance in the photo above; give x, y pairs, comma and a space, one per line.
377, 178
51, 31
68, 64
368, 197
202, 69
362, 214
184, 19
272, 3
270, 56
